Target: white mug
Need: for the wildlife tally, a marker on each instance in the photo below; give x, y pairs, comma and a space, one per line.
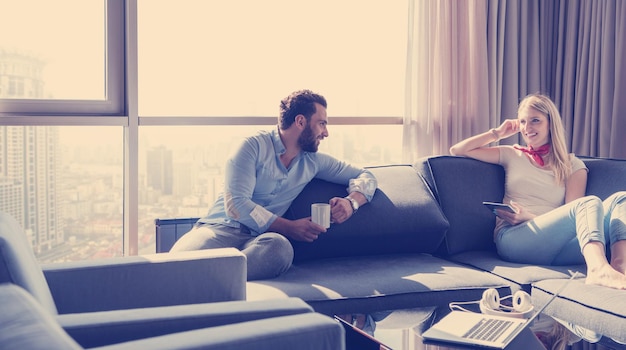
320, 214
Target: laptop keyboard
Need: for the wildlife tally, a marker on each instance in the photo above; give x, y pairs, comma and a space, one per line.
488, 329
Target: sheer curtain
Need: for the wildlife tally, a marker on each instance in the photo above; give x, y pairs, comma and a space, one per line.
447, 87
470, 62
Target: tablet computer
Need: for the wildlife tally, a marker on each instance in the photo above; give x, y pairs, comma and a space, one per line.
492, 206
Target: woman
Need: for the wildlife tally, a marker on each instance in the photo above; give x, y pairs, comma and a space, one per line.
554, 223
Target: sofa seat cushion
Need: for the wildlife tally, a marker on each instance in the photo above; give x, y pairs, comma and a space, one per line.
377, 283
593, 307
521, 275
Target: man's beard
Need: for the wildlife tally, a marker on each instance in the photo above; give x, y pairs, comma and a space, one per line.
307, 141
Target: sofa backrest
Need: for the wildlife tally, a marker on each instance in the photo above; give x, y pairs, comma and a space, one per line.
462, 184
403, 217
606, 176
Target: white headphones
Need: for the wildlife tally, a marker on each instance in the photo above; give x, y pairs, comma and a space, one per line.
491, 304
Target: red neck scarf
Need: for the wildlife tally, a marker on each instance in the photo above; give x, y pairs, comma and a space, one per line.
535, 154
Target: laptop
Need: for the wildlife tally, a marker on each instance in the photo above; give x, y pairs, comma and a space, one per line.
487, 331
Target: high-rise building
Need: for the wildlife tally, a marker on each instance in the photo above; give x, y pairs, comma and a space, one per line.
29, 158
185, 177
160, 170
20, 75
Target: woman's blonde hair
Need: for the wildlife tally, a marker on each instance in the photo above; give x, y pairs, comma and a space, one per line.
560, 157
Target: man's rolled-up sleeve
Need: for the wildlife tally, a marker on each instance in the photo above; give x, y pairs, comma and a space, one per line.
240, 179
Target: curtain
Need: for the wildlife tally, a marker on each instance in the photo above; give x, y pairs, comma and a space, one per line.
518, 64
570, 50
470, 62
446, 98
591, 81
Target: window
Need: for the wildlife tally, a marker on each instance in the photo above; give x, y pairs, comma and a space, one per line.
239, 58
53, 61
125, 113
68, 197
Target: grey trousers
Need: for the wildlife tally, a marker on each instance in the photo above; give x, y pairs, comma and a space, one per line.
268, 255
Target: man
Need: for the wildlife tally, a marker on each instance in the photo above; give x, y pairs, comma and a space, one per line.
262, 178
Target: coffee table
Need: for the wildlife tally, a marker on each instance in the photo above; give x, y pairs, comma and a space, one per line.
397, 330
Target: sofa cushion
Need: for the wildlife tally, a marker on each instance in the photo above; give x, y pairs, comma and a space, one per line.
593, 307
24, 324
377, 283
522, 275
93, 329
308, 331
402, 217
461, 185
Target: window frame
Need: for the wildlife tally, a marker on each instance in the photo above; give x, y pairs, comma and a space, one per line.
113, 103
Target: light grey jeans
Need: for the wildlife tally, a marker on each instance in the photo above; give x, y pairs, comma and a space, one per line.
268, 255
557, 237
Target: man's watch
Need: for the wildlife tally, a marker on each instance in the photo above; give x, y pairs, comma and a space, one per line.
355, 204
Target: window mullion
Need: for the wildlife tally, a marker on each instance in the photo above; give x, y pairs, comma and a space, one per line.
131, 136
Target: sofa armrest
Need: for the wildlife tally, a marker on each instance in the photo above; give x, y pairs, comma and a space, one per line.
193, 277
110, 327
309, 331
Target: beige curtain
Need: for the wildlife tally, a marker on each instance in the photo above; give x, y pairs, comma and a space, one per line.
446, 87
470, 62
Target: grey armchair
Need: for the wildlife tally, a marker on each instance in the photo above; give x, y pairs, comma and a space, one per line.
187, 300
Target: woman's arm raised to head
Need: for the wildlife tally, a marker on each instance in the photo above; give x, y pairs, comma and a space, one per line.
474, 147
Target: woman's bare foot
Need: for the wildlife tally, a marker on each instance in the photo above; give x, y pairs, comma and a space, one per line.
606, 276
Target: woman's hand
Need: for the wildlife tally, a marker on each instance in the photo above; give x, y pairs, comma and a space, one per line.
520, 216
509, 127
476, 146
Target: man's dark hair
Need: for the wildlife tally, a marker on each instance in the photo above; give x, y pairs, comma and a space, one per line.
298, 102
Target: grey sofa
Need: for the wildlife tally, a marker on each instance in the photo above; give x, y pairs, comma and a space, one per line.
426, 240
